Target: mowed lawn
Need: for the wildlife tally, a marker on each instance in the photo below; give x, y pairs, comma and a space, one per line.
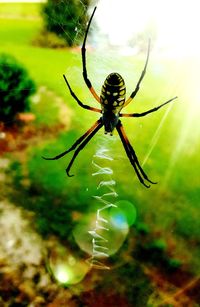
167, 141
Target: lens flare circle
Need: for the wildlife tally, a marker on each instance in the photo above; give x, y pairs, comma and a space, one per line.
111, 237
124, 214
66, 268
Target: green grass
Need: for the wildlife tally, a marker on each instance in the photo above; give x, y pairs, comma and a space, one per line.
17, 32
170, 206
20, 10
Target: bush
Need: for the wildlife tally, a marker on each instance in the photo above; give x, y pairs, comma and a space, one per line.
15, 86
62, 18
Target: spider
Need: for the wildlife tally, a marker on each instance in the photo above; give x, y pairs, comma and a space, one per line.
112, 101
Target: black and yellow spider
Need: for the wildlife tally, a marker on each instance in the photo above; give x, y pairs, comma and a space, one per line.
112, 101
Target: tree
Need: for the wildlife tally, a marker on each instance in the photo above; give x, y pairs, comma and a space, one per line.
66, 18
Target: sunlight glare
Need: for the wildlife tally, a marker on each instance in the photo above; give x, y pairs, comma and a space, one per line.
176, 23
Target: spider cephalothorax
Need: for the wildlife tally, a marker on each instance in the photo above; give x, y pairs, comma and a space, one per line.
112, 100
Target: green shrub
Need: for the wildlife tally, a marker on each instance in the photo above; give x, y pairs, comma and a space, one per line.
15, 86
63, 17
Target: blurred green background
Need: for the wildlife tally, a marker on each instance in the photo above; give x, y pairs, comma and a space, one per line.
166, 142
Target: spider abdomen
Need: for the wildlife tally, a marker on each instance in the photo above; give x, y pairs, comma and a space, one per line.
113, 93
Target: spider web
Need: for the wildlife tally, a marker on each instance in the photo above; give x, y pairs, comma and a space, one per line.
98, 64
98, 67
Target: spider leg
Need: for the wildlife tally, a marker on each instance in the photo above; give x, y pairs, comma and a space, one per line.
140, 79
147, 112
79, 102
132, 156
139, 166
89, 136
76, 143
83, 51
